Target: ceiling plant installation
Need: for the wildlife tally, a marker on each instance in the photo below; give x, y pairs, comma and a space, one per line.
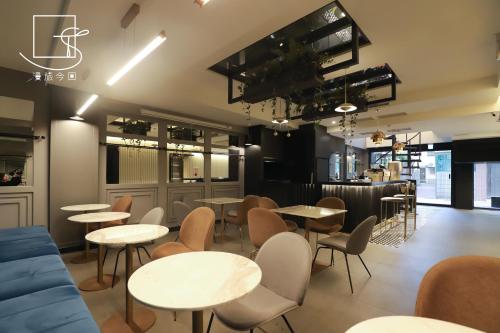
291, 65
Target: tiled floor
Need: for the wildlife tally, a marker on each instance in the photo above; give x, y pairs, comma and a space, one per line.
329, 305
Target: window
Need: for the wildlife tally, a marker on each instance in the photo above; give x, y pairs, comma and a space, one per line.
335, 169
16, 142
186, 163
224, 164
131, 161
487, 185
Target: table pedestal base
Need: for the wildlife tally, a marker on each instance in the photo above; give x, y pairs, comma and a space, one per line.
84, 258
197, 321
143, 320
92, 284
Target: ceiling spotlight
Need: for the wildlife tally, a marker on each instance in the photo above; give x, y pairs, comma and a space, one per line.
201, 2
86, 105
280, 121
281, 44
334, 122
157, 41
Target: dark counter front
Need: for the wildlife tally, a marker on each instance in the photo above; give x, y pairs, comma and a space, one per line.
361, 199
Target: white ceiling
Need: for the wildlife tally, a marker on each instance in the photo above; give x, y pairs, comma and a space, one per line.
443, 51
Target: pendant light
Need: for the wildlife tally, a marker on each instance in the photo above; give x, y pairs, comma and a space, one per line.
346, 107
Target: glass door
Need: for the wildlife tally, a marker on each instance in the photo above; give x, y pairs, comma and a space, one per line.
433, 176
487, 185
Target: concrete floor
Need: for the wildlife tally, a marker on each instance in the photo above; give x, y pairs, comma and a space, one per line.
329, 305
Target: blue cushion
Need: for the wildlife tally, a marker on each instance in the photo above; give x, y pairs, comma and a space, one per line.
22, 233
24, 276
55, 310
27, 248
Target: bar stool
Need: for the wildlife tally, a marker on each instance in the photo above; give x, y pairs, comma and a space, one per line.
410, 200
384, 203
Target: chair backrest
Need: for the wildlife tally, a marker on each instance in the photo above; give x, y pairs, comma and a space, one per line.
263, 224
267, 203
358, 240
249, 202
334, 203
123, 204
285, 260
181, 210
463, 290
197, 229
154, 216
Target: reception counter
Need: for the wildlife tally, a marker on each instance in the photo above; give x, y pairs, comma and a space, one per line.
362, 199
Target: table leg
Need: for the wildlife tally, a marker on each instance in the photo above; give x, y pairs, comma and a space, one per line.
87, 256
137, 321
197, 321
222, 223
101, 281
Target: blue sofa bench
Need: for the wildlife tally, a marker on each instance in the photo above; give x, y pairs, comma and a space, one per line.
37, 293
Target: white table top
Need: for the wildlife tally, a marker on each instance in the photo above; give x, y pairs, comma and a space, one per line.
194, 281
311, 212
127, 234
99, 217
407, 324
220, 201
85, 207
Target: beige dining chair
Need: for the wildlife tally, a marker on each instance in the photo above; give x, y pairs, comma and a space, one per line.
234, 212
123, 205
195, 234
263, 224
463, 290
154, 217
241, 217
354, 243
287, 255
326, 225
268, 203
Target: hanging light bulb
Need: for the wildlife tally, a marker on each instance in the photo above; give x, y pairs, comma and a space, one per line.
288, 135
346, 107
275, 133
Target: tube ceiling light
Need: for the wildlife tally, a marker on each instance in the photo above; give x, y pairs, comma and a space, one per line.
157, 41
86, 105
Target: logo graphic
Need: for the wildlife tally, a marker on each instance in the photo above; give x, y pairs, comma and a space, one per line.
67, 36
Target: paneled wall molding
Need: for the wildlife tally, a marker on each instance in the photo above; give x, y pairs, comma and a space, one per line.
144, 199
16, 209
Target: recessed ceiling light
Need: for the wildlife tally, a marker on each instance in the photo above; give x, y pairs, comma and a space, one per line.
157, 41
334, 122
86, 105
281, 44
201, 2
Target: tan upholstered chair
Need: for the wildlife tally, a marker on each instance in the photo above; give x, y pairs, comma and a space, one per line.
263, 224
234, 212
195, 235
269, 203
285, 261
180, 210
330, 224
463, 290
241, 217
354, 243
123, 204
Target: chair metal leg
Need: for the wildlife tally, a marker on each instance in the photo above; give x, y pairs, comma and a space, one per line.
105, 254
116, 265
348, 272
364, 265
287, 324
139, 255
241, 237
315, 256
145, 250
210, 322
331, 259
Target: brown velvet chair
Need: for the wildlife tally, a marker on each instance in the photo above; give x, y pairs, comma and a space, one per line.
269, 203
123, 204
195, 234
241, 217
264, 224
463, 290
329, 224
354, 243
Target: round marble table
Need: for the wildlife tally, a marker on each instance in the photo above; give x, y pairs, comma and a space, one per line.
194, 281
408, 324
102, 281
87, 256
128, 236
